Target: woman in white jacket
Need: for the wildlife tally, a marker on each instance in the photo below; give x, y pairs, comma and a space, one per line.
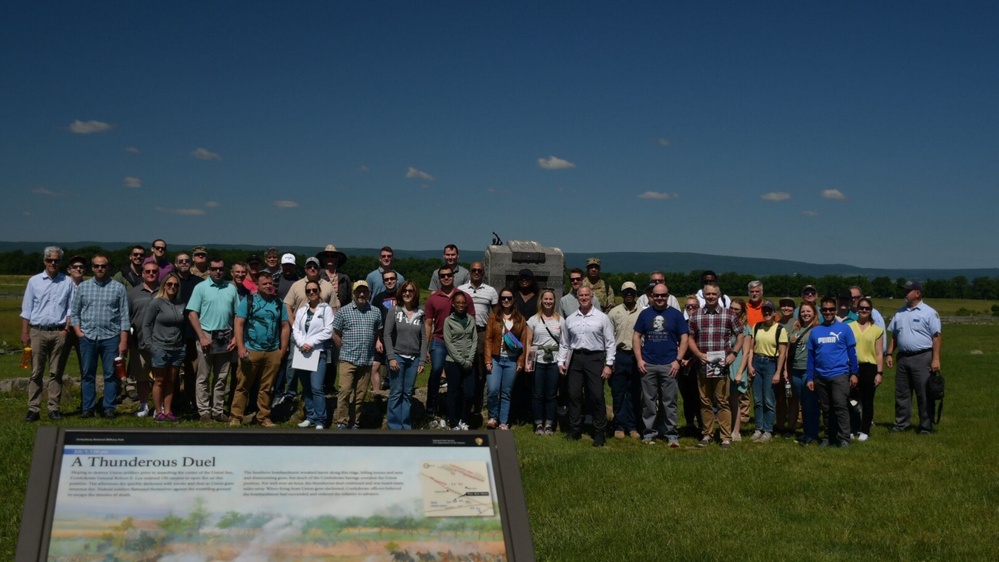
313, 331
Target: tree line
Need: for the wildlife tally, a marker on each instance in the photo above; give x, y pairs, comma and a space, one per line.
18, 262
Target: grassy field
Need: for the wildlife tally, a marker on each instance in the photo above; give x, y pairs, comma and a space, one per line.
899, 497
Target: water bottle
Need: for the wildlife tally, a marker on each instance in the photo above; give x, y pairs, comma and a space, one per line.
787, 388
26, 357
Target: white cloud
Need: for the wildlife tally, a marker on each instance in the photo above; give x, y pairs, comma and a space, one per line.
776, 196
554, 163
185, 212
211, 204
205, 154
414, 173
46, 192
810, 213
833, 194
285, 204
664, 142
132, 181
132, 150
657, 195
88, 127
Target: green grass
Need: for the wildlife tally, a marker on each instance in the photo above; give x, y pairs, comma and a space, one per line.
899, 497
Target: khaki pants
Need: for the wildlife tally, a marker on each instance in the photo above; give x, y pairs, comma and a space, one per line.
353, 389
716, 387
257, 366
211, 397
46, 346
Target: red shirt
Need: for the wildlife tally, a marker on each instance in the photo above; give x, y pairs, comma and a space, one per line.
438, 308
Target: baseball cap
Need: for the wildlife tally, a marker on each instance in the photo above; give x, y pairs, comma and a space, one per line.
289, 258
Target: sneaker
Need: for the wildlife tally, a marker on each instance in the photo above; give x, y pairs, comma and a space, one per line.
599, 440
539, 429
854, 436
673, 443
143, 411
160, 417
221, 418
634, 434
55, 415
649, 440
31, 417
171, 417
266, 422
896, 429
704, 442
862, 437
824, 443
726, 445
320, 427
845, 444
205, 418
503, 427
736, 437
235, 422
355, 426
756, 435
924, 432
304, 424
340, 426
766, 437
618, 434
549, 430
109, 415
277, 402
463, 426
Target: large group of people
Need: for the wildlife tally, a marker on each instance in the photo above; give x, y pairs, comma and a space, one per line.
232, 349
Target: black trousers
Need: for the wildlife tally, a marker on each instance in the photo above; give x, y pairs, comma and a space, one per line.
584, 370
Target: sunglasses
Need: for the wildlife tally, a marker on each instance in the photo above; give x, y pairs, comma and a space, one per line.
216, 269
50, 260
77, 266
477, 270
445, 275
138, 254
824, 309
153, 271
99, 265
575, 279
691, 306
311, 266
864, 308
311, 291
506, 298
387, 279
168, 285
183, 261
408, 292
159, 248
659, 296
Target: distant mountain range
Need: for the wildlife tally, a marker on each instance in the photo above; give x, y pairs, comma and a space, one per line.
612, 262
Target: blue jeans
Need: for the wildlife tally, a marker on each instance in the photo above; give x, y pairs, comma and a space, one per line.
763, 393
438, 354
401, 385
500, 382
626, 392
545, 392
90, 350
313, 391
809, 404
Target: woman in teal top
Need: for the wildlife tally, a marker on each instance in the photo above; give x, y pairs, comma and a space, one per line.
737, 370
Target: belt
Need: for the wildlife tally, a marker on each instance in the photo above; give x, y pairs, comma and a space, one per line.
767, 357
48, 328
480, 328
586, 351
913, 353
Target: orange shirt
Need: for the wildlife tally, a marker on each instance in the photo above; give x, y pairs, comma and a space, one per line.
754, 313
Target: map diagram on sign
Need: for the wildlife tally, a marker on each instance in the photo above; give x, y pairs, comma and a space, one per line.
456, 489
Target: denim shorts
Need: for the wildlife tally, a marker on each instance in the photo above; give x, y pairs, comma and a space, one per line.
163, 358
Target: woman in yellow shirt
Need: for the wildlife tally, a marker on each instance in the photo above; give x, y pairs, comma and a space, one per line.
869, 346
766, 358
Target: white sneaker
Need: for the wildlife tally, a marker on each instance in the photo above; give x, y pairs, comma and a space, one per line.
766, 437
862, 437
756, 435
143, 411
304, 424
737, 437
463, 426
320, 426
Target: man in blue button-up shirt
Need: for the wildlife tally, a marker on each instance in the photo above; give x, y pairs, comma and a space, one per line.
915, 333
44, 320
100, 319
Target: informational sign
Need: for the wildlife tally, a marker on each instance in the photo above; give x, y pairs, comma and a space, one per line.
262, 495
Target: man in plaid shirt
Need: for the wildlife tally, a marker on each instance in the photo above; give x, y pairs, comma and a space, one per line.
355, 332
99, 316
711, 332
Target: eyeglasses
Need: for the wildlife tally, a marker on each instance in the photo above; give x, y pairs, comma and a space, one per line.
691, 306
476, 270
50, 260
408, 292
183, 261
311, 291
655, 296
445, 275
864, 308
168, 285
99, 265
386, 255
825, 309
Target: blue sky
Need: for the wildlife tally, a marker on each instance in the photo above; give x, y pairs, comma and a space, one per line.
853, 132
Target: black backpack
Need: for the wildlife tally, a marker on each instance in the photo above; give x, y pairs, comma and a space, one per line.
935, 392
